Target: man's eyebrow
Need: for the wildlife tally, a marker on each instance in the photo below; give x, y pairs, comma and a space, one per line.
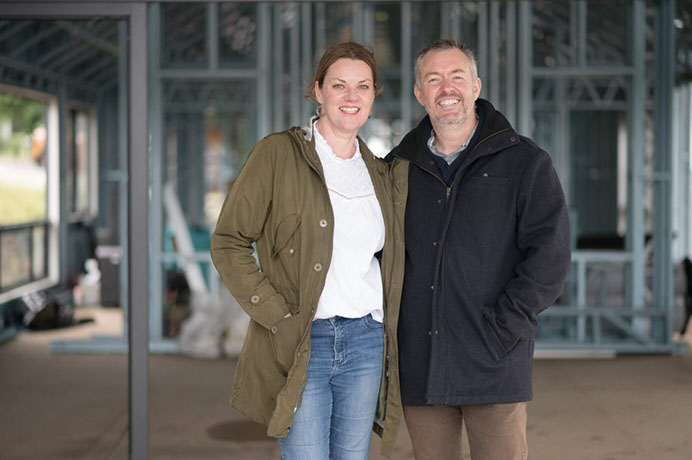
458, 70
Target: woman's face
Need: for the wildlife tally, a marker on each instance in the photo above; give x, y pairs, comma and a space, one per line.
346, 96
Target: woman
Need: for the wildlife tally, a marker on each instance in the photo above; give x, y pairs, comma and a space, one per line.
318, 205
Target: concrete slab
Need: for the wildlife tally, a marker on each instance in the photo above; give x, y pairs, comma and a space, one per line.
74, 406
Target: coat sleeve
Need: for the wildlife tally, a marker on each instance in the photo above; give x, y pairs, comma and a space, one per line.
241, 222
543, 239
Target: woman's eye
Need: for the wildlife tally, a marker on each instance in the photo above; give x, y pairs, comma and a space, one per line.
364, 87
338, 86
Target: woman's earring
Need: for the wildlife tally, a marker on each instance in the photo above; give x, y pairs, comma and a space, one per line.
318, 111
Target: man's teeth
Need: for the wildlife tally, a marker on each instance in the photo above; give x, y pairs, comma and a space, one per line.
349, 109
449, 101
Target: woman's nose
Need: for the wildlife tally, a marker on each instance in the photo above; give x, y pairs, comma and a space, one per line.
351, 94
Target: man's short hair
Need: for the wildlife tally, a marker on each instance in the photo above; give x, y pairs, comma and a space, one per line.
441, 45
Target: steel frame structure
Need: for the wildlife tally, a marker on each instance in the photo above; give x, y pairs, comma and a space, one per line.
133, 73
647, 327
504, 43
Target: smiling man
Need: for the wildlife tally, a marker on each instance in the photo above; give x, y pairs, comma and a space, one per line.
487, 249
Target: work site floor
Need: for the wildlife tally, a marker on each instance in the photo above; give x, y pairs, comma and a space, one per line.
74, 406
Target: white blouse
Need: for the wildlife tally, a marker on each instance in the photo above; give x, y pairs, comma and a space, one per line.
353, 287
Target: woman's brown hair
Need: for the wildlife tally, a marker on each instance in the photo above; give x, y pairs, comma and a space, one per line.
348, 50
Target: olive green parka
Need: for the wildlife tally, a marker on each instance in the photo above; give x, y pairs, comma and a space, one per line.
280, 202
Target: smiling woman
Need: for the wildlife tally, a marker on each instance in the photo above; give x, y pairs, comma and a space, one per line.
318, 205
346, 98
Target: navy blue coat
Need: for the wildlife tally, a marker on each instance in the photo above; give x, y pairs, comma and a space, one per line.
484, 256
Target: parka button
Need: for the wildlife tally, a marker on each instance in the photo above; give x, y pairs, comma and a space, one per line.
274, 329
317, 267
323, 223
432, 287
291, 251
434, 243
248, 305
255, 299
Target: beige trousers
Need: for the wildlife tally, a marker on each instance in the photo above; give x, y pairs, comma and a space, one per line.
495, 431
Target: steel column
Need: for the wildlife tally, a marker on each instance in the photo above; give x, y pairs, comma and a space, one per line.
636, 98
155, 120
264, 64
294, 70
407, 76
510, 105
482, 46
277, 68
664, 60
525, 113
123, 214
63, 200
139, 246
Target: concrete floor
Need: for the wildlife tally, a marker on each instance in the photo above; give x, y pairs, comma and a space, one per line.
60, 406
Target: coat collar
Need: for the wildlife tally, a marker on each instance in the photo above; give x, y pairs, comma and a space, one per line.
306, 136
496, 134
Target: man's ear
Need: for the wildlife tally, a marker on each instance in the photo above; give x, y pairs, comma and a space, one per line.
419, 95
477, 89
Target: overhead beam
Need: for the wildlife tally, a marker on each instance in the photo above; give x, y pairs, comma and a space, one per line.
91, 39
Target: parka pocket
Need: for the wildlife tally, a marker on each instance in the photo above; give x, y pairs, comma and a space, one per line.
285, 340
493, 343
283, 235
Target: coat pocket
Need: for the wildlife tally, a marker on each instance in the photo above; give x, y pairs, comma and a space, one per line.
495, 347
283, 235
285, 340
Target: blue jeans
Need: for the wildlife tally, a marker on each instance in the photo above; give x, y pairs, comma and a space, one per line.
335, 418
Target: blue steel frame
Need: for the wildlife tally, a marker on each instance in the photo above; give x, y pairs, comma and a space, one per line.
135, 98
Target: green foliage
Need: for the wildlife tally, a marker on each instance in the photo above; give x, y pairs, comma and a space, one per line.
25, 114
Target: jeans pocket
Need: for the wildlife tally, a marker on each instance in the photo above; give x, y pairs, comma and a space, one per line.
371, 322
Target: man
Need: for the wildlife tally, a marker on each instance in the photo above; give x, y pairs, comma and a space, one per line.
487, 249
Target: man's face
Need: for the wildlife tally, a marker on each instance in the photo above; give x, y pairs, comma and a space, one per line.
446, 87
